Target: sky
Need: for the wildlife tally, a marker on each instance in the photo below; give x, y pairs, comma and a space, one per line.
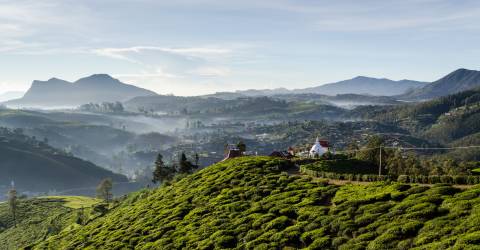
194, 47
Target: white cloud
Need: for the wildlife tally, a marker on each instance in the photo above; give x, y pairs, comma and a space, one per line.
157, 73
123, 53
166, 62
211, 72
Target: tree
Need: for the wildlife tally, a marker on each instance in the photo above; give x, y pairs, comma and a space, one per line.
185, 166
371, 152
396, 164
242, 147
162, 172
197, 158
12, 203
104, 189
352, 149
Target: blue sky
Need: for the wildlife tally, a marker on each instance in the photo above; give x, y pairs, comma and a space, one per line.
192, 47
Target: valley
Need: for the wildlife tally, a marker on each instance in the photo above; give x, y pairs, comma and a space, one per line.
426, 152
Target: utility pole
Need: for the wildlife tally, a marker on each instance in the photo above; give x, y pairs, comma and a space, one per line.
380, 164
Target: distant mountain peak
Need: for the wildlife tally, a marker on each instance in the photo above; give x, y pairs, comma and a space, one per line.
97, 78
54, 79
459, 80
362, 78
460, 70
364, 85
50, 82
94, 88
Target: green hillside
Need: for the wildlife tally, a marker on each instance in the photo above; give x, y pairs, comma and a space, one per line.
249, 203
440, 120
37, 167
40, 218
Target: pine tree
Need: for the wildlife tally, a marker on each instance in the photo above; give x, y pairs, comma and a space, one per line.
197, 158
185, 166
162, 172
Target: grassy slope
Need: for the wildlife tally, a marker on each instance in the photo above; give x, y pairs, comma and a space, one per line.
38, 218
245, 203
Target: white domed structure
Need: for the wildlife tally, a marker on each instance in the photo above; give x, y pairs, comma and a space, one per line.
319, 148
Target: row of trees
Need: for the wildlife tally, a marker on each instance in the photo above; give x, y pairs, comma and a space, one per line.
165, 172
111, 107
421, 179
397, 162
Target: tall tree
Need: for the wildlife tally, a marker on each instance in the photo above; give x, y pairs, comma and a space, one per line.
162, 172
352, 149
371, 151
185, 166
197, 158
104, 189
12, 203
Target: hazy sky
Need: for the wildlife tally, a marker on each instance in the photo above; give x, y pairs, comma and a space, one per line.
190, 47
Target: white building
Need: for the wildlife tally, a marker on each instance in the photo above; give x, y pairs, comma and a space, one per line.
319, 148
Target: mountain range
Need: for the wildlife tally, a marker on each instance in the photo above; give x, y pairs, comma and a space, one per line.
104, 88
360, 85
456, 81
95, 88
365, 86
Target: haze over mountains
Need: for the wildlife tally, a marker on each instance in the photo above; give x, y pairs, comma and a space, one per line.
361, 85
95, 88
365, 86
103, 88
457, 81
36, 166
10, 95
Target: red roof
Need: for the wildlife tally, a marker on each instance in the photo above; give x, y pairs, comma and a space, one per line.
324, 144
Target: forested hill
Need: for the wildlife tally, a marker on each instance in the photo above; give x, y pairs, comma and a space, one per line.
36, 167
457, 81
443, 119
249, 203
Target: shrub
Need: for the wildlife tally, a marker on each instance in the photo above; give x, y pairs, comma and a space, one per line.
225, 241
278, 223
320, 244
403, 179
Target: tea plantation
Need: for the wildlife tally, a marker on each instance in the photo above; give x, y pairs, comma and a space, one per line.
249, 203
39, 218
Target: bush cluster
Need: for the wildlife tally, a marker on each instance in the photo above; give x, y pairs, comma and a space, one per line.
421, 179
344, 166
